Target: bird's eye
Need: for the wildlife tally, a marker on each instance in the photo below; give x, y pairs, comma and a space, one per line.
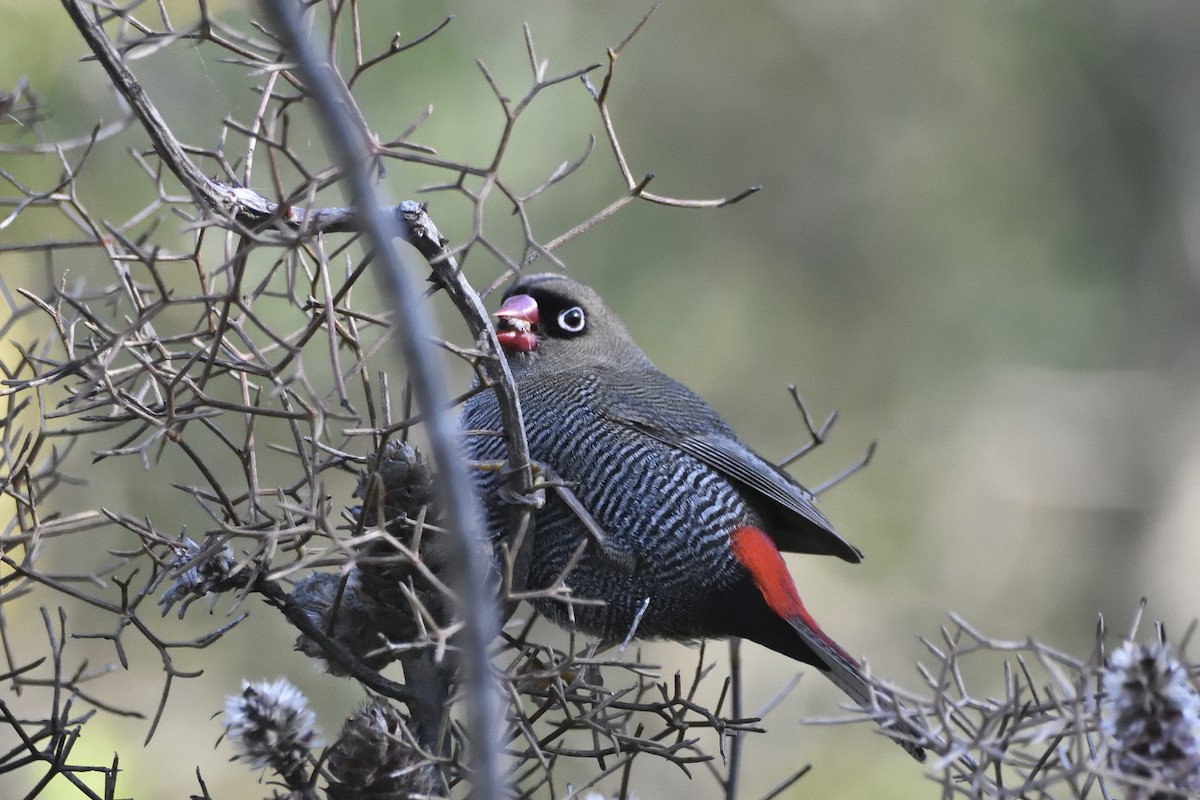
571, 320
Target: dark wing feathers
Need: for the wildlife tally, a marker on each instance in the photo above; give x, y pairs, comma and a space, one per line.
678, 417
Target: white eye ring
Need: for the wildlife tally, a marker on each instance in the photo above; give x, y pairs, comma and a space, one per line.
572, 320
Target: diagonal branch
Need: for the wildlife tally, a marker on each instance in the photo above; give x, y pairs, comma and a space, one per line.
413, 323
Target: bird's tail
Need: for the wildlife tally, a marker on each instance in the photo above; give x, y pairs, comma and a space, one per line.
847, 675
755, 550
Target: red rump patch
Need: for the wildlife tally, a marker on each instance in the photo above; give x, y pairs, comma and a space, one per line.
758, 554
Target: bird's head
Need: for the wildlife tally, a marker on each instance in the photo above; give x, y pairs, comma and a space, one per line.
550, 322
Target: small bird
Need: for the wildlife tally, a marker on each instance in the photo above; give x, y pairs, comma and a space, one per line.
683, 522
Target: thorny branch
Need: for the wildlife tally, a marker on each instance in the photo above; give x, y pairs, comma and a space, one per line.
232, 356
238, 412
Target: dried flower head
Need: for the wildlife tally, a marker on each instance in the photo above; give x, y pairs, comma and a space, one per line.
272, 725
198, 573
349, 616
402, 486
374, 759
1152, 712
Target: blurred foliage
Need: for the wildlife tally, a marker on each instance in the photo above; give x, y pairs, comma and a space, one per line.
978, 239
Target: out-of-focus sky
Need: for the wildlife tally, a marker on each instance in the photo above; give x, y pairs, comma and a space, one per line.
978, 238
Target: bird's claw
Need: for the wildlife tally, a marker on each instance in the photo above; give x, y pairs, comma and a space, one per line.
532, 500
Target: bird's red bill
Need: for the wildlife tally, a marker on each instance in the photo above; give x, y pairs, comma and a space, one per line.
515, 320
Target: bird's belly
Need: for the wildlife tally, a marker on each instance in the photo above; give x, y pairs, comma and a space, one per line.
666, 555
666, 520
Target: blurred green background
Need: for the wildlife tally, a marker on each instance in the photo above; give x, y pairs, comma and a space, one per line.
978, 239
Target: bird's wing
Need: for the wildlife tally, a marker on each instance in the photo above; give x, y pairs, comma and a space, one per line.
663, 409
